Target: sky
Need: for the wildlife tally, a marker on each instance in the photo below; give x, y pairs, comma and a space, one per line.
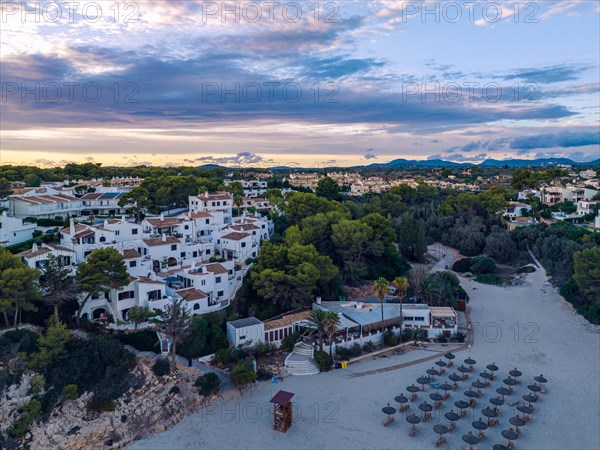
311, 84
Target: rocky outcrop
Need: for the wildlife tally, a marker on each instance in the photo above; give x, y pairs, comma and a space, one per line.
149, 407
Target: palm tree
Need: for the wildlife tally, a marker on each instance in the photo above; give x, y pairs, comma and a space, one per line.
401, 284
318, 321
381, 287
332, 322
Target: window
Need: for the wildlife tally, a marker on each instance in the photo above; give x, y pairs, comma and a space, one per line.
217, 279
182, 254
243, 244
174, 247
242, 337
195, 254
125, 295
102, 239
117, 232
196, 307
208, 251
154, 295
218, 241
132, 263
134, 231
207, 221
203, 283
187, 227
220, 294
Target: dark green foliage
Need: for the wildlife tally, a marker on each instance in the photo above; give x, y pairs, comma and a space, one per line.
390, 338
489, 278
328, 189
463, 265
500, 246
227, 356
243, 374
102, 405
100, 365
412, 238
70, 392
324, 361
483, 265
459, 336
17, 341
352, 352
441, 339
175, 390
31, 412
161, 367
208, 384
144, 340
205, 338
590, 310
368, 346
287, 343
263, 374
443, 289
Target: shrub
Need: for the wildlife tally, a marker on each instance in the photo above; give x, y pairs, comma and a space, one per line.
263, 374
70, 392
208, 384
463, 265
31, 412
441, 339
161, 367
459, 336
37, 233
227, 356
37, 384
144, 340
174, 390
390, 338
288, 342
324, 361
243, 374
483, 265
489, 278
102, 405
368, 346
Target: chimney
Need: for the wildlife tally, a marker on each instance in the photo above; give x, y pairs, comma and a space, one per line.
318, 300
164, 237
359, 305
162, 216
34, 247
72, 228
123, 218
105, 223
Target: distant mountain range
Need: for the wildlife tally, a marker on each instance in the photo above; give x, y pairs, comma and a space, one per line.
486, 163
428, 163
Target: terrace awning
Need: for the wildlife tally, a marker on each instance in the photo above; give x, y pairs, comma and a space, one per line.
386, 323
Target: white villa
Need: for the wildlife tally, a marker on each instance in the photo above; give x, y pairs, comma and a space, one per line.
198, 256
359, 322
14, 230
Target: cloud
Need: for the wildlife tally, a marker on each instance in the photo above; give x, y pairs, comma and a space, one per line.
370, 156
550, 74
525, 144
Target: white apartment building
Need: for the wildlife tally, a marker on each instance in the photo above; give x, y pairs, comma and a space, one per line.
252, 188
103, 203
215, 203
14, 230
516, 209
586, 207
44, 205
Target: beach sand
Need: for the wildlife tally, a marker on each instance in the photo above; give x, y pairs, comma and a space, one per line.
527, 326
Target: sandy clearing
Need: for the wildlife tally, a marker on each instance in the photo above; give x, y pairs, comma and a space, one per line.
528, 326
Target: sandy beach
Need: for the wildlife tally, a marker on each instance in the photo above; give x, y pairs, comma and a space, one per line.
527, 326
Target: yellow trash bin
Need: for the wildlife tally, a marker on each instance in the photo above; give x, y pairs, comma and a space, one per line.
344, 364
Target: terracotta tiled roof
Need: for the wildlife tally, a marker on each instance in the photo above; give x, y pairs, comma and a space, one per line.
216, 268
235, 236
166, 222
31, 254
198, 215
158, 241
191, 294
130, 253
148, 280
243, 227
287, 320
59, 247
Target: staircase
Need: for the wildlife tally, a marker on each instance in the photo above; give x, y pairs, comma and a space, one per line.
300, 361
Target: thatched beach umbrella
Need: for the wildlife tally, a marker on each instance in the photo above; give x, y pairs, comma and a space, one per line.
413, 419
423, 381
462, 405
470, 439
496, 401
510, 434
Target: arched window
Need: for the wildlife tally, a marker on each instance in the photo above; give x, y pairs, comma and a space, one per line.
102, 239
196, 307
187, 227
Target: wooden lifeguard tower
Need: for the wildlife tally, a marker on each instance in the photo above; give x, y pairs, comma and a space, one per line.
282, 410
